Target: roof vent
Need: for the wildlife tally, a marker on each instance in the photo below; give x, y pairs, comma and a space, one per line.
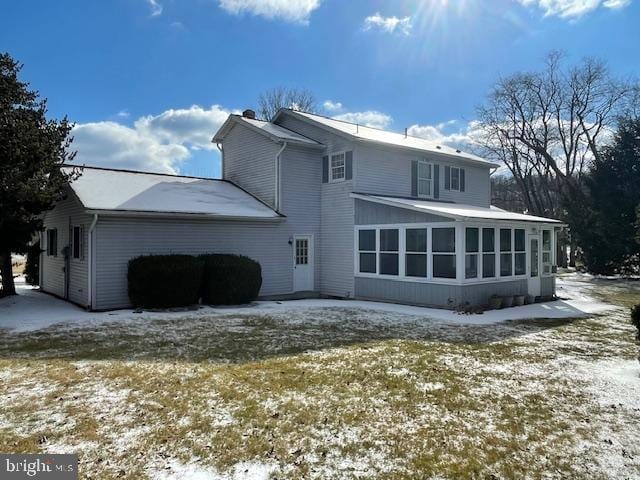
248, 113
458, 151
438, 147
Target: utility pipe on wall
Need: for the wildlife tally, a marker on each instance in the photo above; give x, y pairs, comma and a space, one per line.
277, 179
90, 260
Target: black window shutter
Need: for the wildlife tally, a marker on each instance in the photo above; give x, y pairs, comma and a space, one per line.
325, 169
348, 165
447, 178
414, 178
436, 181
462, 179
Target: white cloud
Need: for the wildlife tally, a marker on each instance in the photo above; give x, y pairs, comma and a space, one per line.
388, 24
123, 113
331, 106
158, 143
465, 138
156, 7
295, 11
370, 118
572, 9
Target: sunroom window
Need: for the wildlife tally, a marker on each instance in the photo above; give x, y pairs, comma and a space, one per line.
389, 251
471, 252
416, 252
367, 251
506, 252
488, 252
443, 246
520, 243
546, 251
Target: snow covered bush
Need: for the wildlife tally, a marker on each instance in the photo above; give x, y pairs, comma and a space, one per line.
163, 281
635, 319
230, 279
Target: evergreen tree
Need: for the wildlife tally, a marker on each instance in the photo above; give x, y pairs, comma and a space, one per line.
608, 234
32, 149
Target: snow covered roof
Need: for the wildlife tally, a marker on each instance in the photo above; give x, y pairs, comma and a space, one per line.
271, 130
376, 135
107, 190
454, 210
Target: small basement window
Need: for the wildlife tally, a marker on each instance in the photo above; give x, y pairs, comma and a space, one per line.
337, 170
52, 242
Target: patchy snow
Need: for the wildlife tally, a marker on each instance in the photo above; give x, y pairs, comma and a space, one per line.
33, 310
175, 470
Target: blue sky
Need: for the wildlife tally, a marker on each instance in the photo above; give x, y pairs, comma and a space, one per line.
149, 81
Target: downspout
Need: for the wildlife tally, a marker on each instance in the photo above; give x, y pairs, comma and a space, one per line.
277, 184
90, 260
219, 145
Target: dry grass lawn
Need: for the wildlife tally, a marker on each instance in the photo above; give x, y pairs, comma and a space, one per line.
336, 393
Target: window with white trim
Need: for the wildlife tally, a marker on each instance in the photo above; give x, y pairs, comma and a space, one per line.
443, 246
471, 248
416, 252
506, 253
425, 179
488, 252
546, 251
520, 247
367, 251
52, 242
77, 242
337, 168
389, 256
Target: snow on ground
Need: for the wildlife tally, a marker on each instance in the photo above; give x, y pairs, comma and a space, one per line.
192, 471
33, 310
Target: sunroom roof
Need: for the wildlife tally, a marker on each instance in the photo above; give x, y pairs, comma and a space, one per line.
454, 210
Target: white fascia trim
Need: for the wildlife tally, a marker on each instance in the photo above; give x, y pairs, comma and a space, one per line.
180, 215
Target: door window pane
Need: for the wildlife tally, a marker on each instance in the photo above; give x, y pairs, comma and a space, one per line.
534, 257
444, 240
302, 251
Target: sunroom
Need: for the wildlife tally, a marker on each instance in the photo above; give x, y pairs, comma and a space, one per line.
444, 254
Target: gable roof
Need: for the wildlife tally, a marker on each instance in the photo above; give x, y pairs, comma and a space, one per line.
103, 190
268, 129
456, 211
378, 136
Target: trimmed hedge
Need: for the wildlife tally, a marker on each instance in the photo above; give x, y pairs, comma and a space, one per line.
162, 281
230, 279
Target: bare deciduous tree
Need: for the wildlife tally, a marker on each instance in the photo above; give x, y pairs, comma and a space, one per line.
548, 126
274, 99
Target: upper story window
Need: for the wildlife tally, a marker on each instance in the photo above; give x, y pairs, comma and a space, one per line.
425, 179
454, 179
337, 168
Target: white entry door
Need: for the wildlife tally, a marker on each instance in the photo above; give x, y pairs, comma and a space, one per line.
534, 265
302, 263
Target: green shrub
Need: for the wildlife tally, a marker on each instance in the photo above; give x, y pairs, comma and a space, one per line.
635, 319
163, 281
230, 279
32, 266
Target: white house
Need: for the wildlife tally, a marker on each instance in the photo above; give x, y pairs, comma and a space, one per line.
328, 208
